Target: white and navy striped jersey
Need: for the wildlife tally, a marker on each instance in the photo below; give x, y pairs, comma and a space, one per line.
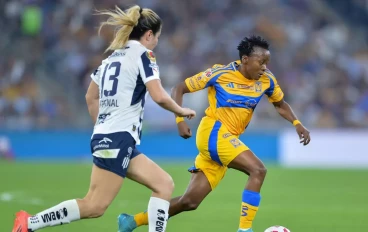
121, 79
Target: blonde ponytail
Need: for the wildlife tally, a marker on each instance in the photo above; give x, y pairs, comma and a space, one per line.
124, 22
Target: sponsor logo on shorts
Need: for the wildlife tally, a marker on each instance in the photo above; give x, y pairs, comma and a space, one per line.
105, 140
103, 143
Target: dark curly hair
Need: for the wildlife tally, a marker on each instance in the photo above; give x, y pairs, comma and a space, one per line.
246, 46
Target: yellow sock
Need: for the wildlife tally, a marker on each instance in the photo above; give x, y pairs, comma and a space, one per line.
248, 212
249, 208
141, 218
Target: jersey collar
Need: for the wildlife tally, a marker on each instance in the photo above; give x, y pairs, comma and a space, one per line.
131, 42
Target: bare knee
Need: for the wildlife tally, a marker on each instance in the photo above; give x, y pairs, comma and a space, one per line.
259, 172
165, 186
92, 209
188, 203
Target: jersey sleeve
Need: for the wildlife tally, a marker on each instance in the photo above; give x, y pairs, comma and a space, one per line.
202, 80
274, 92
148, 68
96, 75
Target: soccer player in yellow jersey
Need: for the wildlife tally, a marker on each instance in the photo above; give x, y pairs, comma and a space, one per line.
234, 91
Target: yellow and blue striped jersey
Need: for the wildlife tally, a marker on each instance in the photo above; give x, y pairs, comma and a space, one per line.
232, 97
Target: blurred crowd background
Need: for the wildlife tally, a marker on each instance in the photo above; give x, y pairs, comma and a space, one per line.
319, 55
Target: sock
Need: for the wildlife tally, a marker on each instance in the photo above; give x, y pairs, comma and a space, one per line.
158, 213
249, 207
141, 218
63, 213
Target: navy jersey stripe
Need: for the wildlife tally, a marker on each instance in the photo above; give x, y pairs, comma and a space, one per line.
146, 65
139, 91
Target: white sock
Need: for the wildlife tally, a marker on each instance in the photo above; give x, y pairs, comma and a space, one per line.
63, 213
158, 214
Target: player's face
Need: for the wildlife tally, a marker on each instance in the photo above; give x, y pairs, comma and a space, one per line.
255, 64
153, 39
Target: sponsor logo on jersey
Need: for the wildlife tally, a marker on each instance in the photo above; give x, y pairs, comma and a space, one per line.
249, 103
208, 72
117, 54
154, 67
235, 142
226, 135
102, 117
243, 86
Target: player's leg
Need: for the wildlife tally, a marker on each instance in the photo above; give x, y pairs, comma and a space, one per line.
106, 180
104, 187
249, 164
199, 187
145, 171
197, 190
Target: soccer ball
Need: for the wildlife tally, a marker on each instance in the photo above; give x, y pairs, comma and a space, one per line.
277, 229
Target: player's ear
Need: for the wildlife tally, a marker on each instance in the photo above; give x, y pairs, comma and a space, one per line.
148, 35
244, 59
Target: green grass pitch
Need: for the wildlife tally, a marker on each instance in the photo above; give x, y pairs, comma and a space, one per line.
304, 200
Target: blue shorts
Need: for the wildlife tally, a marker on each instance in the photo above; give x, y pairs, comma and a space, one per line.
113, 152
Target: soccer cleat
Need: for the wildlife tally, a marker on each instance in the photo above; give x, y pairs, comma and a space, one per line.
248, 230
126, 223
21, 222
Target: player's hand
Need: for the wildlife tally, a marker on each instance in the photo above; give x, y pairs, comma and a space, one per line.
303, 133
184, 130
188, 113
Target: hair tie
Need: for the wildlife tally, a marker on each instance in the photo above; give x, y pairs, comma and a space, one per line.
140, 10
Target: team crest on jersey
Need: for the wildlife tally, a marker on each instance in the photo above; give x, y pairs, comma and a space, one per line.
151, 56
258, 87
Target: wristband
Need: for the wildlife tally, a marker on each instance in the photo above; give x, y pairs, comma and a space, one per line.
296, 122
179, 119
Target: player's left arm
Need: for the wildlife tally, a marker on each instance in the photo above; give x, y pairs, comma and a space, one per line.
276, 97
285, 110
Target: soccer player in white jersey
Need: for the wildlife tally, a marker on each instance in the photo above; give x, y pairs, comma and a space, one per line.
115, 100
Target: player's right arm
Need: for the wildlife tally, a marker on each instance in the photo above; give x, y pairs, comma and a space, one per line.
149, 72
92, 95
92, 99
192, 84
162, 98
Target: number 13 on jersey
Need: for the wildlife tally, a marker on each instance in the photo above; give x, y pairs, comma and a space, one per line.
115, 67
